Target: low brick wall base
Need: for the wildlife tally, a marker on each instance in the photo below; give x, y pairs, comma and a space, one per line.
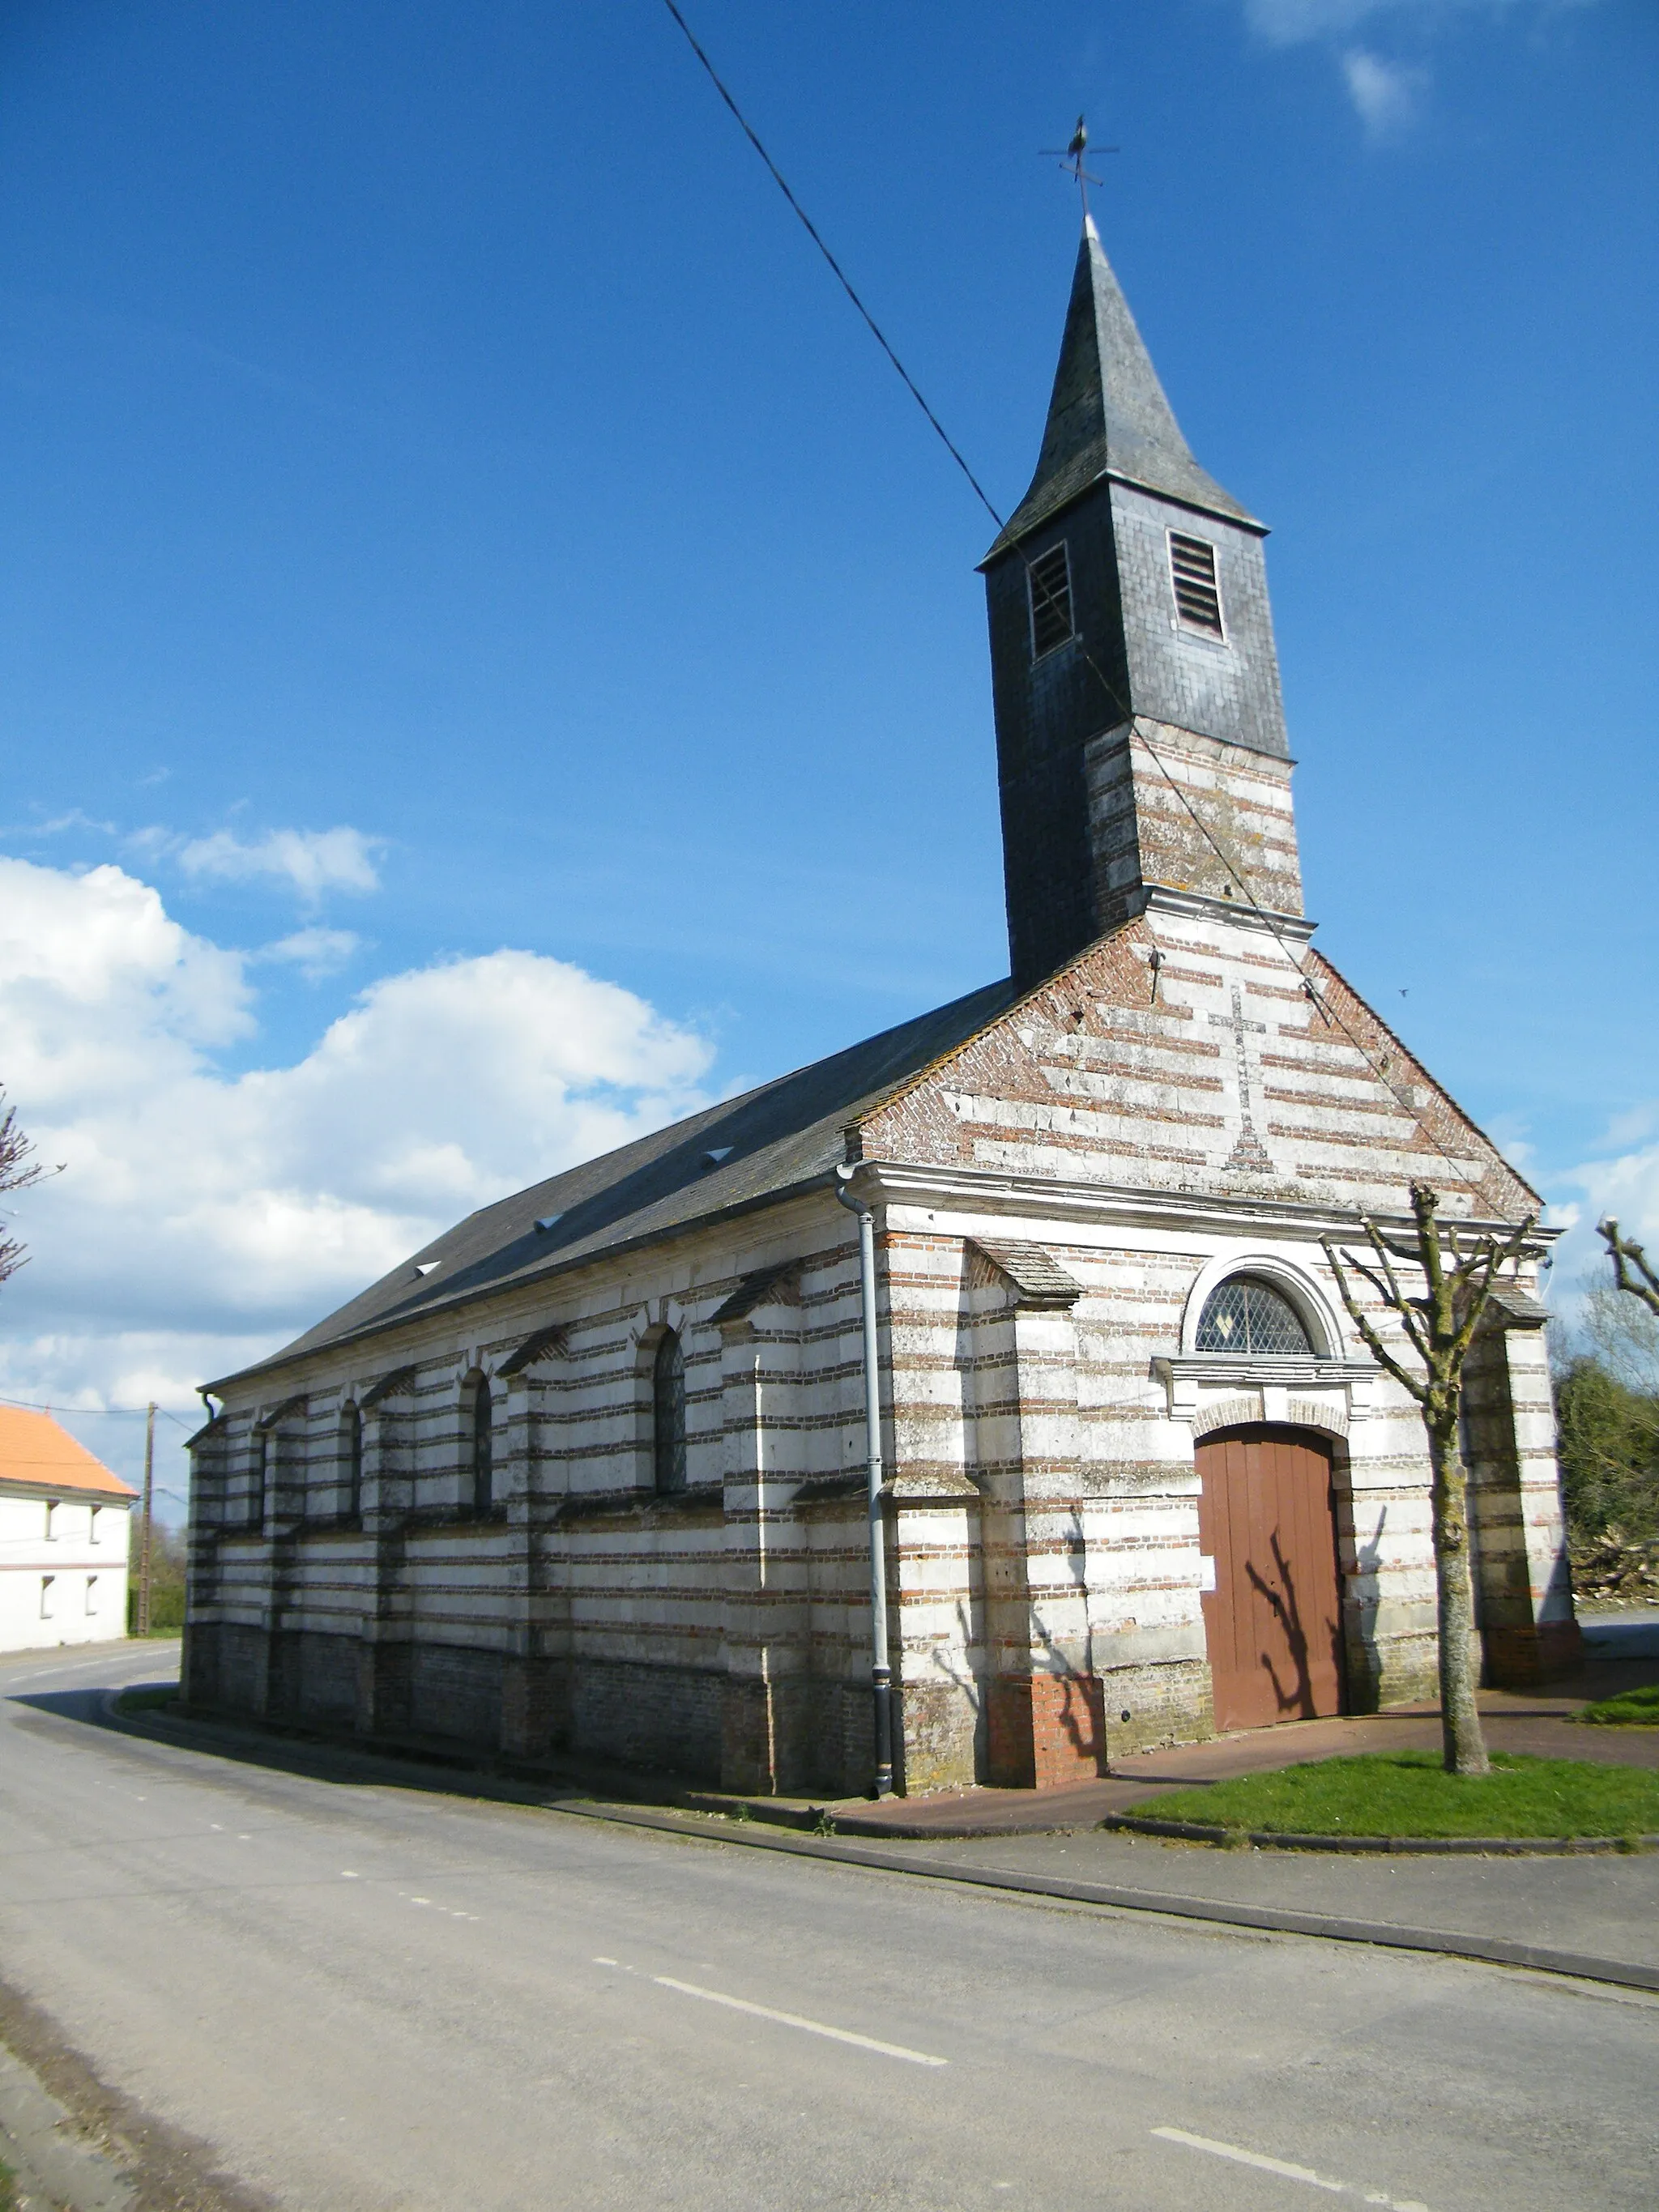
1147, 1707
1044, 1731
662, 1717
1515, 1658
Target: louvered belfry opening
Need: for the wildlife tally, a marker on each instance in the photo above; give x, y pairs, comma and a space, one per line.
1050, 578
1197, 593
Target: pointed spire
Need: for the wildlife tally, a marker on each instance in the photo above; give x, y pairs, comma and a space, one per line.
1109, 416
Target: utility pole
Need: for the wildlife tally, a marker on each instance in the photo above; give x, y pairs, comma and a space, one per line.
143, 1524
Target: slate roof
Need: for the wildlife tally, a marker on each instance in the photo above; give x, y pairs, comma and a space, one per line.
1037, 1275
787, 1136
1108, 415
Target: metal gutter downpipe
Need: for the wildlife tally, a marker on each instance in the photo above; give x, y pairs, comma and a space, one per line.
881, 1674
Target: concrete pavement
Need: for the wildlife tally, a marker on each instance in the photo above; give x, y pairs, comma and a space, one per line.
360, 1993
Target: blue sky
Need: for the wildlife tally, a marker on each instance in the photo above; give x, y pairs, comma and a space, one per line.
466, 570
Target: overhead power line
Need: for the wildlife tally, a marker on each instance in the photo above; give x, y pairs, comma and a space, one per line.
840, 276
94, 1412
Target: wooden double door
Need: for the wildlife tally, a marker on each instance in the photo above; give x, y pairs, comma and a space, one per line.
1266, 1521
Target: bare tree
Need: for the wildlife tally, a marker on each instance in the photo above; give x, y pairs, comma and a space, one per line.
19, 1170
1632, 1270
1459, 1270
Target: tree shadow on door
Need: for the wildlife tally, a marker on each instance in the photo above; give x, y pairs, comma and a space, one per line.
1296, 1696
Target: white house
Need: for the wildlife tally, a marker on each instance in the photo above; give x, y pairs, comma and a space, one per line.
64, 1525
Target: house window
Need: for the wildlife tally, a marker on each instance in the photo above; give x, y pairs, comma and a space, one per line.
48, 1599
483, 1444
1193, 578
93, 1530
1049, 578
256, 1503
351, 1456
51, 1524
1247, 1316
668, 1415
92, 1594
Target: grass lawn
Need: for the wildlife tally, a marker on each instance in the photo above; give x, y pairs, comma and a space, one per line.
1409, 1793
147, 1701
1630, 1709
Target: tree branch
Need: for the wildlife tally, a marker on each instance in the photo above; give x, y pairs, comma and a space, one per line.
1627, 1255
1361, 1321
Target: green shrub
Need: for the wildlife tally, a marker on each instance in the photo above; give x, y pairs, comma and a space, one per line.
166, 1581
1630, 1709
1608, 1442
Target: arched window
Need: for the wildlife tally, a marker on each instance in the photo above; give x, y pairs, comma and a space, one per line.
668, 1415
351, 1458
483, 1443
1246, 1315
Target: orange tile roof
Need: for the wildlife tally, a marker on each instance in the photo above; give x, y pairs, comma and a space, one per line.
35, 1451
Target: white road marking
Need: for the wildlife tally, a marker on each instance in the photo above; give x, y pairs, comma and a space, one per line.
794, 2019
604, 1962
1289, 2172
41, 1673
346, 1874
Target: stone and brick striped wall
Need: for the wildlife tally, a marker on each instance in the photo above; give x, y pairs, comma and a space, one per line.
1143, 1123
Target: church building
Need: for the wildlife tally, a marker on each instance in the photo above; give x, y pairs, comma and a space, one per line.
592, 1473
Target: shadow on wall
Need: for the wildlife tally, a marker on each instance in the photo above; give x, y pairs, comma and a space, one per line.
1296, 1699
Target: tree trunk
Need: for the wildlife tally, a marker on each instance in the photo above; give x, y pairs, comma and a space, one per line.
1464, 1744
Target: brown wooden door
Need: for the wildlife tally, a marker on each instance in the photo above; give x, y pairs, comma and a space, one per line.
1273, 1621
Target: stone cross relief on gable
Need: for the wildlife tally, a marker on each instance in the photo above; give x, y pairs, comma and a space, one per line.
1248, 1155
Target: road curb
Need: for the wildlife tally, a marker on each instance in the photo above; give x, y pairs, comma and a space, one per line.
1267, 1840
745, 1836
1269, 1919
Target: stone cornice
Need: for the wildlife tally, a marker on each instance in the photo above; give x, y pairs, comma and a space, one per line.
1197, 906
997, 1193
1225, 1369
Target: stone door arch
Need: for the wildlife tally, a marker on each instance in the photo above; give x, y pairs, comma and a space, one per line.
1272, 1622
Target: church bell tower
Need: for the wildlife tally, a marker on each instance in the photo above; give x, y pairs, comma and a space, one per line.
1133, 673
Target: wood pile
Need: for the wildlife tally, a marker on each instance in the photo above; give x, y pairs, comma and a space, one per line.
1612, 1568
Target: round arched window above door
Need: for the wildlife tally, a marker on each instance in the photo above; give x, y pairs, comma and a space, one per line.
1248, 1315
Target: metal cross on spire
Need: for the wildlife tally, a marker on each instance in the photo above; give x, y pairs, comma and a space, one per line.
1071, 161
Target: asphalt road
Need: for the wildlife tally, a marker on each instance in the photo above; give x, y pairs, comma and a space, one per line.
367, 1995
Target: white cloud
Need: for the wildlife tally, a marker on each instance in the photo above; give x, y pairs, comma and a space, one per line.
315, 953
1623, 1183
1385, 94
77, 819
1291, 22
1626, 1186
205, 1214
313, 860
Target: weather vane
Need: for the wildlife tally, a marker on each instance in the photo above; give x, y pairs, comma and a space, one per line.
1071, 161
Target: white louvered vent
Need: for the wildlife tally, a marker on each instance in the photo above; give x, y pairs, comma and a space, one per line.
1050, 579
1197, 593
